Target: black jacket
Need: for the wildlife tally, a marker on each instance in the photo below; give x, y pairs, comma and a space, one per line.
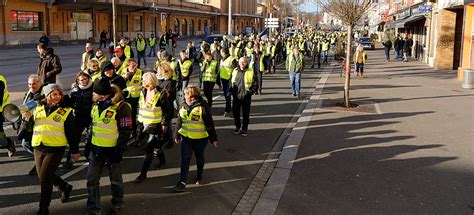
49, 67
81, 100
206, 117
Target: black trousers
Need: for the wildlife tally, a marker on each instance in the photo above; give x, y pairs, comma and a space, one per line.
46, 165
208, 87
244, 105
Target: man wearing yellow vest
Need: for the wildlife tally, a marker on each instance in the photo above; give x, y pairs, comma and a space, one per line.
295, 66
152, 44
111, 127
53, 131
243, 85
5, 142
127, 50
194, 129
87, 55
257, 64
209, 76
133, 78
227, 65
360, 56
141, 49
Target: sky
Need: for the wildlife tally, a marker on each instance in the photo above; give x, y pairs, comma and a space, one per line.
308, 6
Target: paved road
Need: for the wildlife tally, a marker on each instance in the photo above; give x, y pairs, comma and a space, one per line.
229, 170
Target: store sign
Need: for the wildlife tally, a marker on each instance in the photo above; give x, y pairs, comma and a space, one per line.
421, 9
403, 13
82, 17
213, 3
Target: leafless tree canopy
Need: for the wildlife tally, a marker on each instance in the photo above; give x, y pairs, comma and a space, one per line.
348, 11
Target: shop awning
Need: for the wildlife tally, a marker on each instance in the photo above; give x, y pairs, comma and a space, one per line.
414, 18
395, 24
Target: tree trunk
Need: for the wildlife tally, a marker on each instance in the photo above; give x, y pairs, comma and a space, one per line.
347, 81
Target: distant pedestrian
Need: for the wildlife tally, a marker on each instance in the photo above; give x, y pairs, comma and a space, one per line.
387, 47
406, 49
49, 65
360, 56
141, 49
152, 44
194, 129
397, 46
103, 38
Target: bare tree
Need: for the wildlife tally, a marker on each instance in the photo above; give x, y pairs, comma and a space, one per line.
350, 12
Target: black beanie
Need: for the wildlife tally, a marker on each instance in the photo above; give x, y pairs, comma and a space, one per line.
107, 65
102, 86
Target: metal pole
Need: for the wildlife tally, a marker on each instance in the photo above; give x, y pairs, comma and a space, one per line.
114, 24
229, 22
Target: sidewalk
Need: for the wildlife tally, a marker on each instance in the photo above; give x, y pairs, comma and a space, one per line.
408, 149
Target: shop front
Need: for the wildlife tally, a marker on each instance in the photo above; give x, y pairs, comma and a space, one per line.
467, 55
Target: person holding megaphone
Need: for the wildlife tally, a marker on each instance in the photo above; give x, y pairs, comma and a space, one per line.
53, 130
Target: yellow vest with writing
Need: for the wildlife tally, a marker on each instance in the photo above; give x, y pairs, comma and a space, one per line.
193, 126
49, 130
104, 126
148, 112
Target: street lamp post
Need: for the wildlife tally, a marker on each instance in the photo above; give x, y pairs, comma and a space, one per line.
114, 24
229, 22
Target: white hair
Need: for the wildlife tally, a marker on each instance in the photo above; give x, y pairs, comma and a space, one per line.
36, 77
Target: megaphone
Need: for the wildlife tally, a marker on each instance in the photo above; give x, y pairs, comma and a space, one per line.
12, 113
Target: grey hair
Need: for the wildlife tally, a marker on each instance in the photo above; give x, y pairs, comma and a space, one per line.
36, 77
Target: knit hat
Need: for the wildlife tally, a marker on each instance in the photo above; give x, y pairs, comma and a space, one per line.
102, 86
50, 88
107, 65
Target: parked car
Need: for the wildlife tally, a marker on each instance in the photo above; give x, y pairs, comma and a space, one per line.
210, 38
367, 43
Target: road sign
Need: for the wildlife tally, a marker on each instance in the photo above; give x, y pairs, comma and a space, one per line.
271, 19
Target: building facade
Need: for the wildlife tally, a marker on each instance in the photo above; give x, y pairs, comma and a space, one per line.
27, 20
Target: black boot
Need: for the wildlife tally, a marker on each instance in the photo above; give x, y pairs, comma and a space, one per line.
161, 157
32, 171
43, 211
145, 167
65, 193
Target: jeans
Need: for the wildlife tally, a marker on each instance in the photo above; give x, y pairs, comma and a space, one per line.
208, 87
360, 68
188, 146
46, 165
141, 55
245, 105
387, 54
259, 81
397, 55
295, 81
184, 84
227, 95
325, 56
152, 52
96, 165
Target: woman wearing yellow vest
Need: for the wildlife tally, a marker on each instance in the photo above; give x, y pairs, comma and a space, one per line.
111, 127
185, 70
209, 76
99, 55
93, 68
154, 116
194, 128
53, 130
5, 141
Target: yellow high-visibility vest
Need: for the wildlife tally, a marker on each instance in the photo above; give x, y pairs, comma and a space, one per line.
6, 96
184, 67
141, 45
104, 126
134, 85
193, 126
152, 41
226, 68
49, 130
148, 112
173, 67
210, 73
127, 51
248, 78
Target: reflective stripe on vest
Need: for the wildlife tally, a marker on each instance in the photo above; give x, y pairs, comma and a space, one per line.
148, 112
248, 78
193, 126
134, 85
226, 68
49, 130
104, 126
141, 45
210, 73
6, 96
184, 67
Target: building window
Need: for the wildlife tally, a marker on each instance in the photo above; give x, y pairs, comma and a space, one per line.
137, 27
26, 21
199, 25
153, 24
123, 23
